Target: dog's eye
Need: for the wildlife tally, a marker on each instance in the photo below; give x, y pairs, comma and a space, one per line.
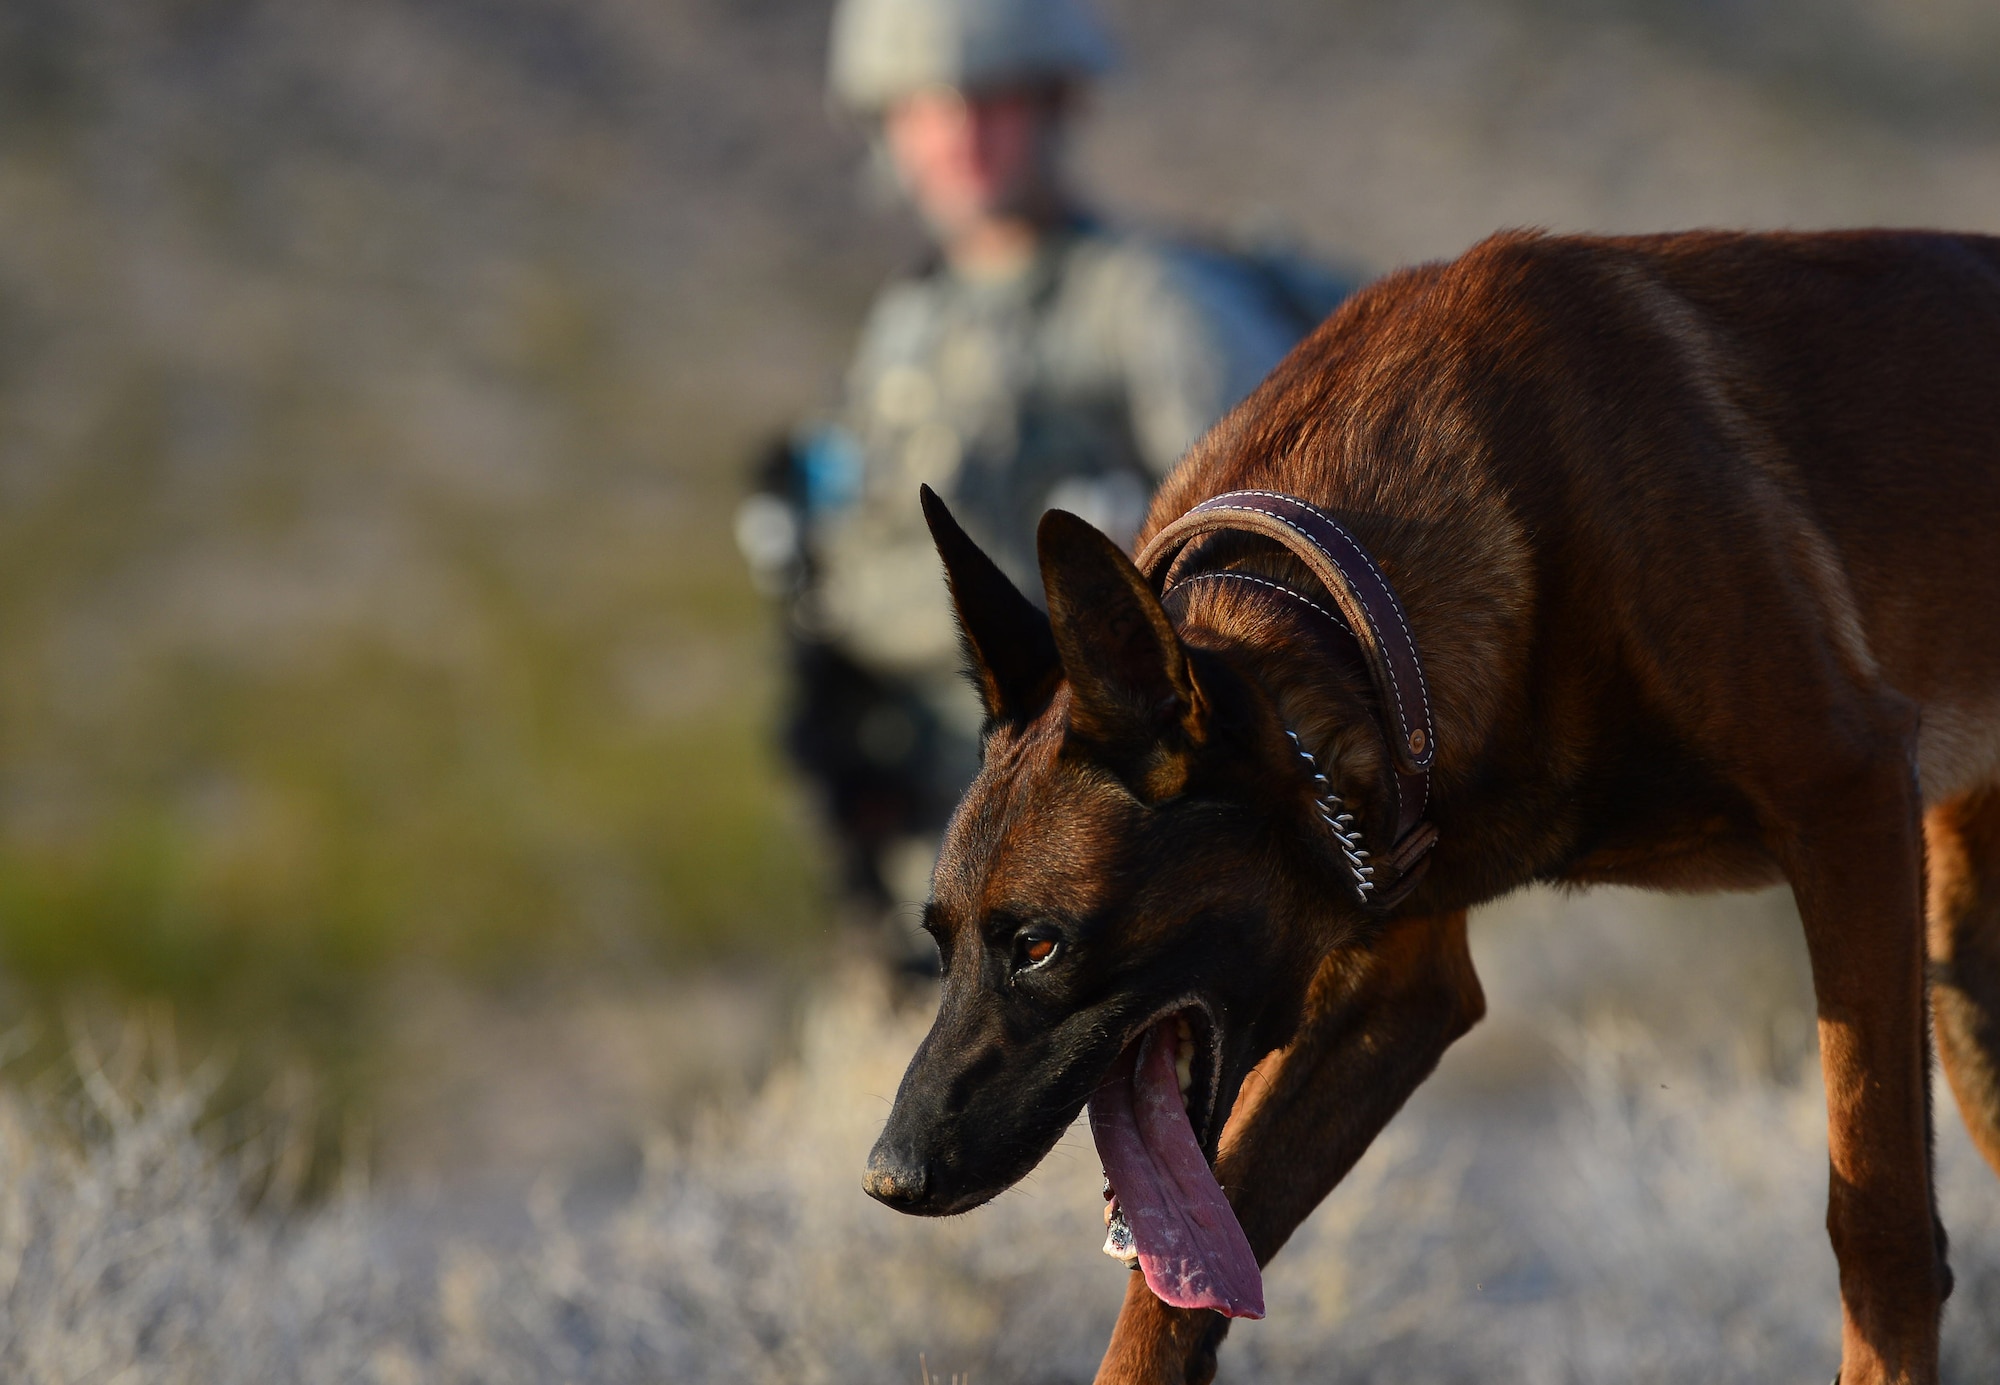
1031, 951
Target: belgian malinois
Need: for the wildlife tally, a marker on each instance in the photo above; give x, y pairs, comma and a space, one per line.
1694, 542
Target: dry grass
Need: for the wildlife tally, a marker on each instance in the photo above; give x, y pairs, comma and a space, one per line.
1632, 1214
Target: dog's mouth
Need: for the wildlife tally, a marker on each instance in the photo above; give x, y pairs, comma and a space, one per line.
1156, 1121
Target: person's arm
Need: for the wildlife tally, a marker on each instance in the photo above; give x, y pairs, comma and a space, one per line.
1195, 339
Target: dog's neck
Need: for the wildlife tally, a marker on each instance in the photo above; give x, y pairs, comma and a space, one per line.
1265, 629
1467, 587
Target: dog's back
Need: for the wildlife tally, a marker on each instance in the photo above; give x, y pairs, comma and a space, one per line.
1859, 375
1651, 450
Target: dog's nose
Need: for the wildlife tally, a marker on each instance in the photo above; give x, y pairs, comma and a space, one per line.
896, 1177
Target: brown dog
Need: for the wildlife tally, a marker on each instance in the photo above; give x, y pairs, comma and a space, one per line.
1698, 540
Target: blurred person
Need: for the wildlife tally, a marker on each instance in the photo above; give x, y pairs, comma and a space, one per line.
1040, 359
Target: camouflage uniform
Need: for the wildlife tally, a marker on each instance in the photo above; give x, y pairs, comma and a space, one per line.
1073, 383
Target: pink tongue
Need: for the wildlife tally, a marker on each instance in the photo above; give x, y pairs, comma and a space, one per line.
1190, 1244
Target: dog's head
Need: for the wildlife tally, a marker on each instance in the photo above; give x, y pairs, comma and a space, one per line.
1129, 851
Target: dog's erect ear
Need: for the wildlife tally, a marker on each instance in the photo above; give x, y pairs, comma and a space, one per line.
1127, 668
1007, 641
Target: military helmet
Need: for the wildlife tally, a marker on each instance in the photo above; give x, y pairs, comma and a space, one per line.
886, 49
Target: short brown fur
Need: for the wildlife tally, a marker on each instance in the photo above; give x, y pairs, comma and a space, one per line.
1696, 535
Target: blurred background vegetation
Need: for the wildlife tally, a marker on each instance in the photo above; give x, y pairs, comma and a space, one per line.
373, 379
376, 377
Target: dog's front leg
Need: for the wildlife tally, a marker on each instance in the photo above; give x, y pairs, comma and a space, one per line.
1376, 1023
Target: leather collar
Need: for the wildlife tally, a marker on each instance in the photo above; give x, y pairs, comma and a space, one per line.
1366, 627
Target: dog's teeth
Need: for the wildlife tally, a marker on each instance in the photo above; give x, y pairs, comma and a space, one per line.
1184, 1056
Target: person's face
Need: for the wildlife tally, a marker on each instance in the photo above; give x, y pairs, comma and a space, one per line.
971, 158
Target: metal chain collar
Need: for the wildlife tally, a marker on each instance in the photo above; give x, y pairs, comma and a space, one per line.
1333, 812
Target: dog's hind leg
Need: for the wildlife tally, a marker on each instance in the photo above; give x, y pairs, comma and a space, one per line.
1963, 837
1849, 834
1376, 1022
1784, 702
